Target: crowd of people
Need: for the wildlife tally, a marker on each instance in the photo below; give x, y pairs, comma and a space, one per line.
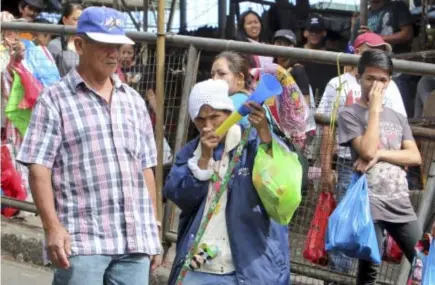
78, 116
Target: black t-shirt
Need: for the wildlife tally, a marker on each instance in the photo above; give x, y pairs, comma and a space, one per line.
319, 75
300, 75
140, 77
387, 21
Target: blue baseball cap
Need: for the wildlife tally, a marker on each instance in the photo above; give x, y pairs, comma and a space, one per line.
103, 25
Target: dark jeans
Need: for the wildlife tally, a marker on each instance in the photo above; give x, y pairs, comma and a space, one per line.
406, 236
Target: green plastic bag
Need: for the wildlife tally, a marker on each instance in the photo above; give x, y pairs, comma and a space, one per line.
278, 181
20, 118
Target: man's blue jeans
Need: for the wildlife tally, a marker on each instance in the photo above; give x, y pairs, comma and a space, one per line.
340, 262
105, 269
200, 278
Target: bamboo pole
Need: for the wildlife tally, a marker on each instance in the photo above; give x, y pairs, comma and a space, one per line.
160, 96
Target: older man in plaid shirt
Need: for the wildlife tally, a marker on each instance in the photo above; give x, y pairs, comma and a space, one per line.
90, 149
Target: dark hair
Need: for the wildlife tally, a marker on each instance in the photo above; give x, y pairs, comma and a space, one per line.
68, 9
375, 58
241, 33
42, 21
282, 41
237, 63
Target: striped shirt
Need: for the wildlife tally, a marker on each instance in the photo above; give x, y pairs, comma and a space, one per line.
97, 153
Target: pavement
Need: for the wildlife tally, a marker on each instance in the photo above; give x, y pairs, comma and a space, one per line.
22, 256
18, 273
22, 250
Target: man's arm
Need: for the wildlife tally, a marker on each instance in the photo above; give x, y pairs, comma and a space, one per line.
57, 238
405, 35
409, 155
151, 186
42, 192
367, 144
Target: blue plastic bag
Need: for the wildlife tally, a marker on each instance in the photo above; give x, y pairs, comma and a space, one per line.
429, 266
350, 226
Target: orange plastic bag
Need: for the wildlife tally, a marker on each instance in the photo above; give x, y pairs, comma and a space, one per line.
315, 243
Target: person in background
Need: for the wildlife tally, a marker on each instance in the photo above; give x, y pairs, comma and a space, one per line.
252, 248
425, 87
315, 33
62, 48
30, 9
137, 75
381, 145
250, 29
345, 95
234, 69
288, 39
90, 149
318, 73
391, 20
42, 39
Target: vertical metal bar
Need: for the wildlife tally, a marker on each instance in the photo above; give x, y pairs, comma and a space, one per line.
145, 15
136, 24
160, 116
424, 212
231, 22
423, 23
171, 15
182, 128
222, 18
363, 10
183, 16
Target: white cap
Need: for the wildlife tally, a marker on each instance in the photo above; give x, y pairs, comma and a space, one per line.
210, 92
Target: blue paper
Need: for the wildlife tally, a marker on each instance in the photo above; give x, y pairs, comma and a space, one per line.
350, 227
429, 266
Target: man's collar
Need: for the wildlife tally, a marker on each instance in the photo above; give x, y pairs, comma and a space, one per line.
76, 79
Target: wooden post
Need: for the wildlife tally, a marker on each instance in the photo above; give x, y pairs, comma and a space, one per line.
160, 96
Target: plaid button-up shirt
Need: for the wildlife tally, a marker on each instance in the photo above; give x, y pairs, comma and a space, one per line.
97, 153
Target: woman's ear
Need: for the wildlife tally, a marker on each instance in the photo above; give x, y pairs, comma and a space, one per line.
306, 34
240, 80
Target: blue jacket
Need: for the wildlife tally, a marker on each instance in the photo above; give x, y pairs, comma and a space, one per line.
259, 245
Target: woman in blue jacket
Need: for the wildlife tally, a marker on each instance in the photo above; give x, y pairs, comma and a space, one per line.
211, 182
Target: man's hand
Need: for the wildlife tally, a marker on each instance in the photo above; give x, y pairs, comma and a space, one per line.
156, 261
58, 245
364, 29
376, 96
257, 118
363, 166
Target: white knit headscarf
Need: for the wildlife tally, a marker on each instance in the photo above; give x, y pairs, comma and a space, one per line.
210, 92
